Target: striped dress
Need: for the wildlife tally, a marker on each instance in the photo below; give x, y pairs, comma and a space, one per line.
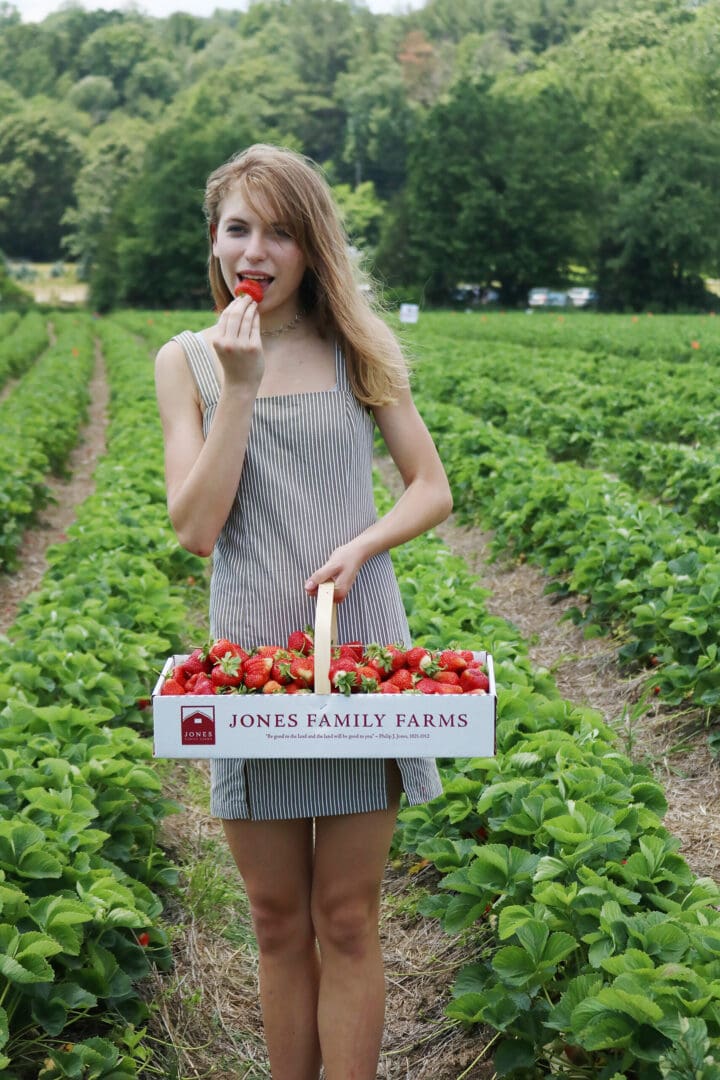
305, 489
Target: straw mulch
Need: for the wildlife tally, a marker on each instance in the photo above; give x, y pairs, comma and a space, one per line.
205, 1011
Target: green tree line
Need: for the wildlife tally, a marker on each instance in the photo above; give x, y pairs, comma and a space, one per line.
507, 142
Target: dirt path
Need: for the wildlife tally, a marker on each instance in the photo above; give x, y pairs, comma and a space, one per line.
67, 496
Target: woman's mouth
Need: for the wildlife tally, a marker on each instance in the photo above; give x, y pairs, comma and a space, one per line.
263, 281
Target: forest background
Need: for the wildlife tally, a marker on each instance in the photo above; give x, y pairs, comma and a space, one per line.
511, 143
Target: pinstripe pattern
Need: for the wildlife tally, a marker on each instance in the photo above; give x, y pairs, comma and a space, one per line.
306, 487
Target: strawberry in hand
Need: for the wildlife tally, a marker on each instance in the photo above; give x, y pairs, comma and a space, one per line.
251, 288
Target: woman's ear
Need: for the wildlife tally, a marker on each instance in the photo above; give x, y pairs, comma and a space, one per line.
213, 235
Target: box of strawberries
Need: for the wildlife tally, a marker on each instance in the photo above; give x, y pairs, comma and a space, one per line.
313, 697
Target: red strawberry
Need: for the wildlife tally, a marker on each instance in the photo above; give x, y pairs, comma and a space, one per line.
302, 670
251, 288
428, 686
367, 679
451, 678
172, 686
280, 670
343, 675
256, 671
222, 647
380, 658
403, 679
419, 659
451, 660
300, 641
389, 688
228, 671
397, 656
198, 660
352, 649
201, 684
474, 678
267, 650
144, 939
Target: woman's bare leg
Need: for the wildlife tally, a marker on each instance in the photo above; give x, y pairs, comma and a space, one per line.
350, 855
276, 864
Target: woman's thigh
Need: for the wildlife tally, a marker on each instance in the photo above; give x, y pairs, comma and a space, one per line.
350, 856
275, 860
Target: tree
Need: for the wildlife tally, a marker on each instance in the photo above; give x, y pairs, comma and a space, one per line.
115, 50
380, 120
94, 94
112, 158
153, 252
362, 213
661, 234
39, 157
486, 201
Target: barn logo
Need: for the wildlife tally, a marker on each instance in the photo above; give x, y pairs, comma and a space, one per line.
197, 725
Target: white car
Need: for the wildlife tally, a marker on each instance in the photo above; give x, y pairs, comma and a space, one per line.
582, 297
541, 297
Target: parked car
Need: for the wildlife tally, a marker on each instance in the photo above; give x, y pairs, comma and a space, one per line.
579, 296
542, 297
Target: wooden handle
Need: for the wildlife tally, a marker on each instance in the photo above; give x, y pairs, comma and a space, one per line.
325, 635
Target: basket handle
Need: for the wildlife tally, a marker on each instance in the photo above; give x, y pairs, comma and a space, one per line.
325, 634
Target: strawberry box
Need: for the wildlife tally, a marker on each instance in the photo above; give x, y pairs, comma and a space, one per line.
324, 722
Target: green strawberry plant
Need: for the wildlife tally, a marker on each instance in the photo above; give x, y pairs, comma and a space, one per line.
80, 804
596, 945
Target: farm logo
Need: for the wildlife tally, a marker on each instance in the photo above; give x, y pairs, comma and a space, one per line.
197, 725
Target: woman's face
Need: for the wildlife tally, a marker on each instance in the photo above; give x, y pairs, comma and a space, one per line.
248, 246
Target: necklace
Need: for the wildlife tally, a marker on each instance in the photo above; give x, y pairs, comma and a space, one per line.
283, 329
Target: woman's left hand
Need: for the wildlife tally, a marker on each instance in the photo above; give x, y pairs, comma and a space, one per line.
342, 568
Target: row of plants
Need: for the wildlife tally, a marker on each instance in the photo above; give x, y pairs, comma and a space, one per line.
597, 949
567, 397
80, 801
40, 421
636, 567
21, 341
679, 339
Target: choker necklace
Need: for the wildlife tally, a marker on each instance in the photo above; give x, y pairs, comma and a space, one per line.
283, 329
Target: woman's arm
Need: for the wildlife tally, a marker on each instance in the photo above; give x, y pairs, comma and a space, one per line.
202, 475
425, 502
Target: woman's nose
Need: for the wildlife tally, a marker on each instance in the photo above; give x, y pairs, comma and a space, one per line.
255, 247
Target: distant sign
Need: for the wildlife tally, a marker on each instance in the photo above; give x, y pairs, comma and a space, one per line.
409, 313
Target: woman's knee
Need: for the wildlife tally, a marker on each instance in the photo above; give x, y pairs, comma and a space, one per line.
346, 923
281, 927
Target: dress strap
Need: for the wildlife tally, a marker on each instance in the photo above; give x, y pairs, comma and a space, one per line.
200, 363
341, 375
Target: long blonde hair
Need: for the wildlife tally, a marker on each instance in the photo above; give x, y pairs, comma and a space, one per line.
290, 188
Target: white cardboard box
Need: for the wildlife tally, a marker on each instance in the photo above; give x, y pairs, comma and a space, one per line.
324, 725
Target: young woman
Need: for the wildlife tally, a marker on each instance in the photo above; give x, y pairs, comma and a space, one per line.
268, 417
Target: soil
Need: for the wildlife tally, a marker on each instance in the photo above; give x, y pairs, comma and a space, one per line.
66, 495
420, 959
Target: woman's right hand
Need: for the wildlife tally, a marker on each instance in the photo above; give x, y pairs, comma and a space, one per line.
237, 343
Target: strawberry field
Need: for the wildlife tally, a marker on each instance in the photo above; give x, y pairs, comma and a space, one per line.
589, 446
